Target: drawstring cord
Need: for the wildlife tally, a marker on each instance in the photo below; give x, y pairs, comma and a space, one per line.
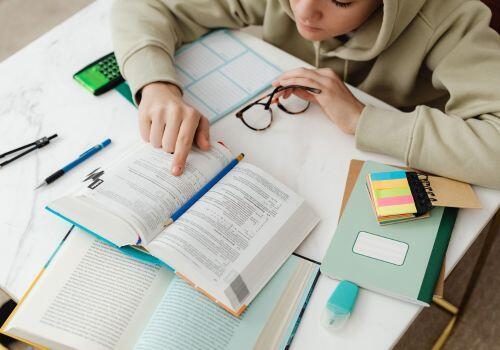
316, 52
317, 45
346, 70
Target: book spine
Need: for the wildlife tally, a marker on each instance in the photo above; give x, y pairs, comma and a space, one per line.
58, 247
437, 255
303, 309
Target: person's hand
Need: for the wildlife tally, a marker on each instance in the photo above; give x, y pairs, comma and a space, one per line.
166, 121
335, 99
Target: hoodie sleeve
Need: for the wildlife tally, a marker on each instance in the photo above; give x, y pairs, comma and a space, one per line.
146, 33
463, 142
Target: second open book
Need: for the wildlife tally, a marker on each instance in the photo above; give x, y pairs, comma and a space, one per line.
228, 244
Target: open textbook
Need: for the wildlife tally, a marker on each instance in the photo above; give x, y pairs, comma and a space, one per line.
228, 243
92, 296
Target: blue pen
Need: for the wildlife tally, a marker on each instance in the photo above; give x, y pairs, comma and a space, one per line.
204, 189
84, 156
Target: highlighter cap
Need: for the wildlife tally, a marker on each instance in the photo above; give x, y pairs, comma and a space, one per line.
340, 305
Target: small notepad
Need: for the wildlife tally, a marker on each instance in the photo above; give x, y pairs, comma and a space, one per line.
397, 196
407, 195
219, 73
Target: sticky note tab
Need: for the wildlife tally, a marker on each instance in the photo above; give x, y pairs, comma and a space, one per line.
396, 209
385, 184
388, 175
395, 200
392, 192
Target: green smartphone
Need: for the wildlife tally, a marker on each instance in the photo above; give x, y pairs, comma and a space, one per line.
101, 75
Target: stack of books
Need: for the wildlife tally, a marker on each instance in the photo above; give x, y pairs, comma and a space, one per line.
203, 260
402, 261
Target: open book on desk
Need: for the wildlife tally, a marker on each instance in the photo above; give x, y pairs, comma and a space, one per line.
228, 244
91, 296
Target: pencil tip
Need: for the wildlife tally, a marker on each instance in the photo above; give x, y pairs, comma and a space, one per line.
42, 184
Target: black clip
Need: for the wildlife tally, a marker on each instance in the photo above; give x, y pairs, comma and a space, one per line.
44, 141
421, 192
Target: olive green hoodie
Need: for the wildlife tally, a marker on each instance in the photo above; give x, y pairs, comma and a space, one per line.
437, 61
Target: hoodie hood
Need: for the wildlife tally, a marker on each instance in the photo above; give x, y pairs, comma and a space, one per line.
377, 33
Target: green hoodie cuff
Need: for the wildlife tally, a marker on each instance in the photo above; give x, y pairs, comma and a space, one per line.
386, 132
148, 65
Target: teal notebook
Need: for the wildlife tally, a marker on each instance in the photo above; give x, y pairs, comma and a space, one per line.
402, 260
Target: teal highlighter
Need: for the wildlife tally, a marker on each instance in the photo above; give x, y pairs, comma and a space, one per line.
339, 306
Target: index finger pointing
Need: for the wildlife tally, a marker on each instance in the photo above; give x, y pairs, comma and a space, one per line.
183, 144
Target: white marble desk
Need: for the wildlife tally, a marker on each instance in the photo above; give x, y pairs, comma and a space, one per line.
38, 97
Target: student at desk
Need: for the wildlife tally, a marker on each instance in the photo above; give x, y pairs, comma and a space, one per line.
437, 61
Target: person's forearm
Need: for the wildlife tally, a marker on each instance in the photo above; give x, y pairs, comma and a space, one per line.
146, 33
144, 40
428, 139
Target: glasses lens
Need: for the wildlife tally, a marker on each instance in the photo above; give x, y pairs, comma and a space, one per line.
294, 104
257, 117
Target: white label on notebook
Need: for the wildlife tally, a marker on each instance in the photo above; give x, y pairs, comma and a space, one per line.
380, 248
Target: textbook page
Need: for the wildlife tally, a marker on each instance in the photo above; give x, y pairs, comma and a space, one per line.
91, 296
142, 191
225, 229
187, 319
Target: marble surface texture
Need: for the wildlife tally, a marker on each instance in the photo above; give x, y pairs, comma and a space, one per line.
38, 97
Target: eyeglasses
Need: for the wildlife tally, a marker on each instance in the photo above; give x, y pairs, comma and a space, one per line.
259, 115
